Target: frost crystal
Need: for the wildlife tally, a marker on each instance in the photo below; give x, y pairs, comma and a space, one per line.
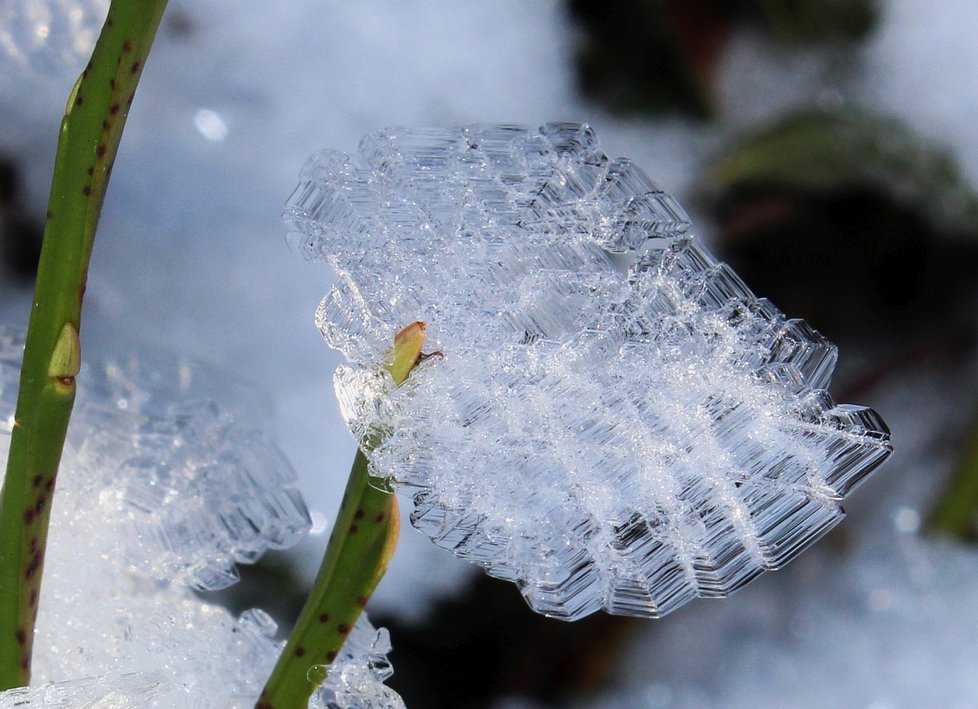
199, 489
617, 421
356, 677
161, 489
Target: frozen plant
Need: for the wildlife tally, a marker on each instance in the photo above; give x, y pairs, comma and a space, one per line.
163, 490
617, 422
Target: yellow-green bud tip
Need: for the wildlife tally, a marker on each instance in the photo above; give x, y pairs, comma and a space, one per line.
407, 351
66, 359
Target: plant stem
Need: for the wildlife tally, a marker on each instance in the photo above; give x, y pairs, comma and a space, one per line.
956, 512
360, 547
90, 132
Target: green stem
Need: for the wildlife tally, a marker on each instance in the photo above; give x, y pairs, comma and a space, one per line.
356, 557
90, 132
956, 513
360, 547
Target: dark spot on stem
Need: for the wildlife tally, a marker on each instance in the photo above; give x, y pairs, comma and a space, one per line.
38, 479
343, 628
87, 190
362, 601
112, 84
100, 150
380, 517
79, 100
113, 110
21, 636
50, 214
91, 171
42, 500
135, 67
32, 601
33, 565
331, 655
25, 663
106, 125
132, 95
28, 516
358, 514
300, 651
354, 529
49, 485
324, 617
127, 46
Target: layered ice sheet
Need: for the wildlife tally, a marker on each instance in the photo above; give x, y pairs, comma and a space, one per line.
199, 488
617, 421
161, 490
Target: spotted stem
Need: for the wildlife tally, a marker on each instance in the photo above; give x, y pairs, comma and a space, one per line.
90, 132
359, 549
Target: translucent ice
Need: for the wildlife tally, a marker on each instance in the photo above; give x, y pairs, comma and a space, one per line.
356, 678
162, 489
199, 489
617, 421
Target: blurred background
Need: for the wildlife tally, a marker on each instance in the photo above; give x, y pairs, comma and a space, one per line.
826, 148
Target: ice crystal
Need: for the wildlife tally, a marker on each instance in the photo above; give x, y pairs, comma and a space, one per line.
356, 678
200, 489
161, 490
617, 421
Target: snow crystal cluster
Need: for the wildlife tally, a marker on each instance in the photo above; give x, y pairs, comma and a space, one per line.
616, 421
161, 491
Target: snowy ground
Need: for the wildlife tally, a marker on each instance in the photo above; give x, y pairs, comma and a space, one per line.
191, 257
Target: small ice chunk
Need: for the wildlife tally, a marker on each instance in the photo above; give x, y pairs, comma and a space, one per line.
356, 678
617, 421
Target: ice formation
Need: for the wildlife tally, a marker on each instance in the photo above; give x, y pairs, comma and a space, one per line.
162, 490
617, 421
